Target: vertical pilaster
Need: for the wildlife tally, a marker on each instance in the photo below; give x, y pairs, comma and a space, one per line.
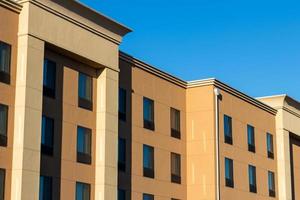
27, 124
106, 135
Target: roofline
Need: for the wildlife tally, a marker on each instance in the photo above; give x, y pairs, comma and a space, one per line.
88, 13
272, 96
196, 83
12, 5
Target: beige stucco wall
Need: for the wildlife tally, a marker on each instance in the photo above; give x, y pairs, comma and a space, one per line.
8, 34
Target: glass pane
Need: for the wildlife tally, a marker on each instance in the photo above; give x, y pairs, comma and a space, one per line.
175, 119
122, 100
148, 157
228, 169
122, 150
271, 181
87, 141
270, 142
45, 188
80, 140
250, 135
121, 194
175, 164
3, 119
2, 182
49, 75
5, 52
227, 126
47, 131
79, 191
148, 197
85, 87
252, 175
148, 110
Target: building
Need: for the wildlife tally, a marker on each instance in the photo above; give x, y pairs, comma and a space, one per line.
81, 120
288, 144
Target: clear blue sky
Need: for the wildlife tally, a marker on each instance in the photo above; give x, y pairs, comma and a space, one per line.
252, 45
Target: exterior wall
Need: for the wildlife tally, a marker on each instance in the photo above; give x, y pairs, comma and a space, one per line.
201, 155
8, 34
243, 113
165, 95
287, 123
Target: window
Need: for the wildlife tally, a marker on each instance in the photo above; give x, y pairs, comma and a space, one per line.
229, 173
2, 183
3, 124
175, 123
251, 138
175, 168
85, 87
82, 191
148, 197
84, 142
122, 154
49, 78
252, 178
121, 194
148, 161
148, 114
45, 188
47, 135
227, 129
5, 54
270, 147
122, 104
271, 183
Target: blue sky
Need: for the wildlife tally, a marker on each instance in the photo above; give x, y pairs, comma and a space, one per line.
252, 45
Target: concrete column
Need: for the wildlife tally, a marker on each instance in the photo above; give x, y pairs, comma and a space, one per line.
106, 136
27, 124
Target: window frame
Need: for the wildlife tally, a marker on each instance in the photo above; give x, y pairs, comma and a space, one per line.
271, 185
87, 185
228, 139
229, 181
146, 195
4, 137
175, 133
252, 171
149, 123
251, 147
122, 104
51, 90
149, 172
84, 102
270, 144
82, 157
5, 77
175, 178
46, 149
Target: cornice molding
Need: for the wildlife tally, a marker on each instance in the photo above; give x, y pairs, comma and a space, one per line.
77, 22
198, 83
13, 6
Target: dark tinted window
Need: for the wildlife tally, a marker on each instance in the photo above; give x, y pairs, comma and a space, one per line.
271, 183
47, 135
148, 161
5, 59
3, 124
252, 178
83, 191
228, 129
2, 183
122, 104
122, 154
229, 173
148, 197
84, 142
121, 194
49, 78
175, 168
85, 88
148, 114
270, 147
45, 188
251, 138
175, 123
